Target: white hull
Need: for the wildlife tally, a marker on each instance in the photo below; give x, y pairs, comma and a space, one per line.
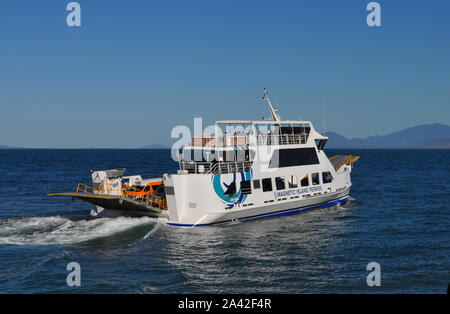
268, 211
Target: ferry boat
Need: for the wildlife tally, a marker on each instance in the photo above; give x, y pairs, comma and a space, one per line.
245, 170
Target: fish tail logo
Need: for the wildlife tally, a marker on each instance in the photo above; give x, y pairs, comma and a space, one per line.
220, 188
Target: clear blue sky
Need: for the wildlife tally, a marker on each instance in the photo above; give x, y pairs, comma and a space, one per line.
135, 69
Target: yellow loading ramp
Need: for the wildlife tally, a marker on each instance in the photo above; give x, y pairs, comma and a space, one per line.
339, 160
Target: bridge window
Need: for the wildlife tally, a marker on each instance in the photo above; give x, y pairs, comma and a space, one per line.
241, 155
320, 144
280, 184
292, 182
267, 184
245, 187
327, 177
230, 155
305, 181
256, 184
315, 178
290, 157
209, 154
202, 155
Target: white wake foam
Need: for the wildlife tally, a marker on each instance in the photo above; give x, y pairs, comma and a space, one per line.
59, 230
151, 232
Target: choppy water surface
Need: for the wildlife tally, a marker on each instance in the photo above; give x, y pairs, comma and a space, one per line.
398, 216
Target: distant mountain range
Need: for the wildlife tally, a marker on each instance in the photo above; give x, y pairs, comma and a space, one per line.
422, 136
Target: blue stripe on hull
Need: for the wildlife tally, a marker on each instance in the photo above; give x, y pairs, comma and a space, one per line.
273, 214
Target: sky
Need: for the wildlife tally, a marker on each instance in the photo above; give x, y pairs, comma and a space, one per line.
136, 69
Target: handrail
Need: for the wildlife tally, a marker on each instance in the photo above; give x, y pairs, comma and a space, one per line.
103, 189
213, 169
221, 167
245, 139
284, 139
83, 189
150, 198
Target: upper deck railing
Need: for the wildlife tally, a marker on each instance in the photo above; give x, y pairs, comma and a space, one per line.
286, 139
221, 167
244, 140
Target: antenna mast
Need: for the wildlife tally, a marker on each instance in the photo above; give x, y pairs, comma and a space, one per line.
275, 116
323, 116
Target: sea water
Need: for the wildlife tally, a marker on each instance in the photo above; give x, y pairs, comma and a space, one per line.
397, 216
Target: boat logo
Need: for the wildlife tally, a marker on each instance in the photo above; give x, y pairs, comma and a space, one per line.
220, 187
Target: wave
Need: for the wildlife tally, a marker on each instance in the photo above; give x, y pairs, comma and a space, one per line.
351, 203
59, 230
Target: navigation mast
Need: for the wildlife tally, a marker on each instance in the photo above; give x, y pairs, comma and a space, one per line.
275, 116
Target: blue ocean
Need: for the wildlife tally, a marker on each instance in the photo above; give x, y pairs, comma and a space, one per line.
398, 216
